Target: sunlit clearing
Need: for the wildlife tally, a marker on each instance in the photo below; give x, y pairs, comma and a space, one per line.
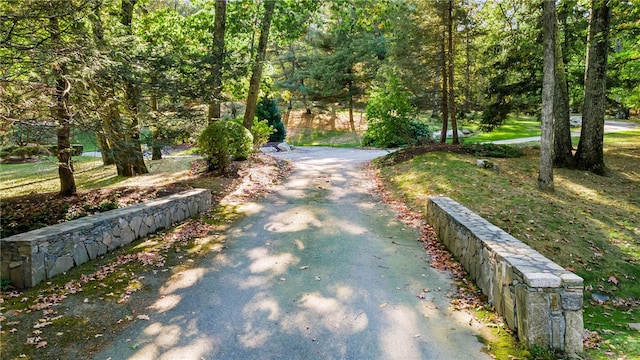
263, 262
166, 303
181, 280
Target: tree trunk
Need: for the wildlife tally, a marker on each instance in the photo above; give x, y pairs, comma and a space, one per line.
156, 144
352, 123
467, 74
104, 136
62, 117
444, 99
452, 102
545, 173
218, 59
590, 154
131, 161
563, 156
254, 84
106, 151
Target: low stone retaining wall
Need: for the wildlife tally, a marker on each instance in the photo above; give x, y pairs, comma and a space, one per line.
536, 297
32, 257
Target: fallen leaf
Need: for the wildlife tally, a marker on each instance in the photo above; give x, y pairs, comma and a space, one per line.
612, 279
41, 344
304, 267
13, 330
143, 317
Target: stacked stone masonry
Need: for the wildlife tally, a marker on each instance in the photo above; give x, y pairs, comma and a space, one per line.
35, 256
538, 299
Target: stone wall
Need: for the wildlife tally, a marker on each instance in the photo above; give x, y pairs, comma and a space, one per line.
32, 257
536, 297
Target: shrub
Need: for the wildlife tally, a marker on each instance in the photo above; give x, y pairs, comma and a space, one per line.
29, 151
495, 150
260, 130
223, 140
390, 125
267, 109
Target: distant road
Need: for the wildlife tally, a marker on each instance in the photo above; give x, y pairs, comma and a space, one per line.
610, 126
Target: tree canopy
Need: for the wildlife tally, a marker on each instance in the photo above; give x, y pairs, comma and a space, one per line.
148, 72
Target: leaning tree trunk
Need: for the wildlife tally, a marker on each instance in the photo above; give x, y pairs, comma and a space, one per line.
562, 151
218, 60
590, 154
545, 174
63, 118
254, 84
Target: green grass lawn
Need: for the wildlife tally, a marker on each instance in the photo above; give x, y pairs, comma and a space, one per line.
22, 179
513, 128
87, 139
589, 224
332, 138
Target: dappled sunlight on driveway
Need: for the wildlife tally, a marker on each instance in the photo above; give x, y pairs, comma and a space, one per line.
166, 303
317, 312
321, 269
398, 335
275, 264
295, 219
181, 280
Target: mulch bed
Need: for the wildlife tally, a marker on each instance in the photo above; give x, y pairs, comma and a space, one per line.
29, 212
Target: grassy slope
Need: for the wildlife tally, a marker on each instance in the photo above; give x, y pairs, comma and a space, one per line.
590, 224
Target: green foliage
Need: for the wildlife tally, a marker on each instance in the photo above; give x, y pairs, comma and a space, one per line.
389, 113
5, 284
495, 150
29, 151
267, 109
261, 131
224, 140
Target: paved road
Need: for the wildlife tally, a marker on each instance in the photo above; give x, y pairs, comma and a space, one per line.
319, 270
610, 126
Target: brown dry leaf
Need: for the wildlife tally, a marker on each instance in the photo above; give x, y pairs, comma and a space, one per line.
612, 279
41, 344
143, 317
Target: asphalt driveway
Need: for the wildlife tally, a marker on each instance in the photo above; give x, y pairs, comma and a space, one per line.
321, 269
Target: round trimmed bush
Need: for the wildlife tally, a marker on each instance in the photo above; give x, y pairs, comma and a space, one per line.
224, 140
